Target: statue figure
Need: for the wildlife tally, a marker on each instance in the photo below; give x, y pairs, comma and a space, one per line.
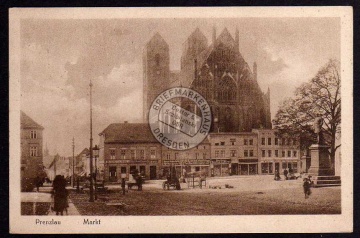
318, 122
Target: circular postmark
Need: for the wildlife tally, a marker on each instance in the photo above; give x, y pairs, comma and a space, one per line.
180, 118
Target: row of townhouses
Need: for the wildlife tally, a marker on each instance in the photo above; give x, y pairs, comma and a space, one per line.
125, 147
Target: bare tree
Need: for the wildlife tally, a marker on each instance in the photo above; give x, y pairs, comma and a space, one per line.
321, 96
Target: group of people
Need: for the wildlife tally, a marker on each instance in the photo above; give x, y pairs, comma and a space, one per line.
306, 182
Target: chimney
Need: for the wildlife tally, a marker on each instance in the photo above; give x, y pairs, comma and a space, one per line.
237, 39
255, 71
214, 35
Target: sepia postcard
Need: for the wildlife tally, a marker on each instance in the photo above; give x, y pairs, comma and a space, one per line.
181, 120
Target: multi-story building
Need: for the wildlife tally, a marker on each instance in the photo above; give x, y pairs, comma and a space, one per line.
234, 153
277, 153
31, 147
126, 147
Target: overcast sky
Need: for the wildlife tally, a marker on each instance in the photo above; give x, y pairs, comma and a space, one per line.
58, 58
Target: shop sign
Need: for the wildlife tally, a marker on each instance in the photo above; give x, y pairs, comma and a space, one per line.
194, 161
221, 161
171, 162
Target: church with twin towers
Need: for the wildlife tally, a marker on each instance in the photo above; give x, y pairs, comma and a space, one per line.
217, 71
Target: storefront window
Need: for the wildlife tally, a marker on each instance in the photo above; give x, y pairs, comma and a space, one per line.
284, 165
295, 167
264, 168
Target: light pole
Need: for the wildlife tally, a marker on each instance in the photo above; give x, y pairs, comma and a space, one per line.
73, 164
91, 149
96, 154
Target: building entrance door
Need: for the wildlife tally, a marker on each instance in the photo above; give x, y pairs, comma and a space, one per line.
152, 172
112, 174
234, 169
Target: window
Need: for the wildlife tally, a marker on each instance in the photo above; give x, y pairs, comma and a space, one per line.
33, 135
245, 141
251, 153
246, 153
288, 141
263, 141
276, 141
294, 153
112, 153
142, 154
232, 141
123, 170
197, 156
284, 165
222, 153
176, 156
269, 141
289, 153
283, 153
276, 153
152, 154
295, 167
122, 154
283, 141
222, 143
269, 153
263, 153
251, 142
216, 143
204, 155
133, 153
168, 156
233, 153
216, 153
33, 151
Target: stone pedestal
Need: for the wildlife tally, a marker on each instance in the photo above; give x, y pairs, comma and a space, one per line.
320, 160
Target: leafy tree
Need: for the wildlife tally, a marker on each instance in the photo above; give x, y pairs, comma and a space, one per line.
321, 96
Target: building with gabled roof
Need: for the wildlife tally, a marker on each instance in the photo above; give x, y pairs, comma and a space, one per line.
31, 139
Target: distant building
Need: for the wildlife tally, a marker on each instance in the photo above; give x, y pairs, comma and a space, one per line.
277, 153
31, 139
125, 147
234, 153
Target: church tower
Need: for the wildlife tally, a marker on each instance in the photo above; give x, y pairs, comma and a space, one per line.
156, 68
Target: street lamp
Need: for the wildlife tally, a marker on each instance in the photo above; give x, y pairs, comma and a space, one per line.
96, 155
91, 149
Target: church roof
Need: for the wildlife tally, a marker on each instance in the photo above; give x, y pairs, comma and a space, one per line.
225, 38
128, 133
28, 123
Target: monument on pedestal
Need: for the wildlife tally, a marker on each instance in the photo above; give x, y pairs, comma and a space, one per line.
319, 152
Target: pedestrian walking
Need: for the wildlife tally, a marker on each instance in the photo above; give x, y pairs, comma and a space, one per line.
307, 186
60, 195
286, 174
277, 175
